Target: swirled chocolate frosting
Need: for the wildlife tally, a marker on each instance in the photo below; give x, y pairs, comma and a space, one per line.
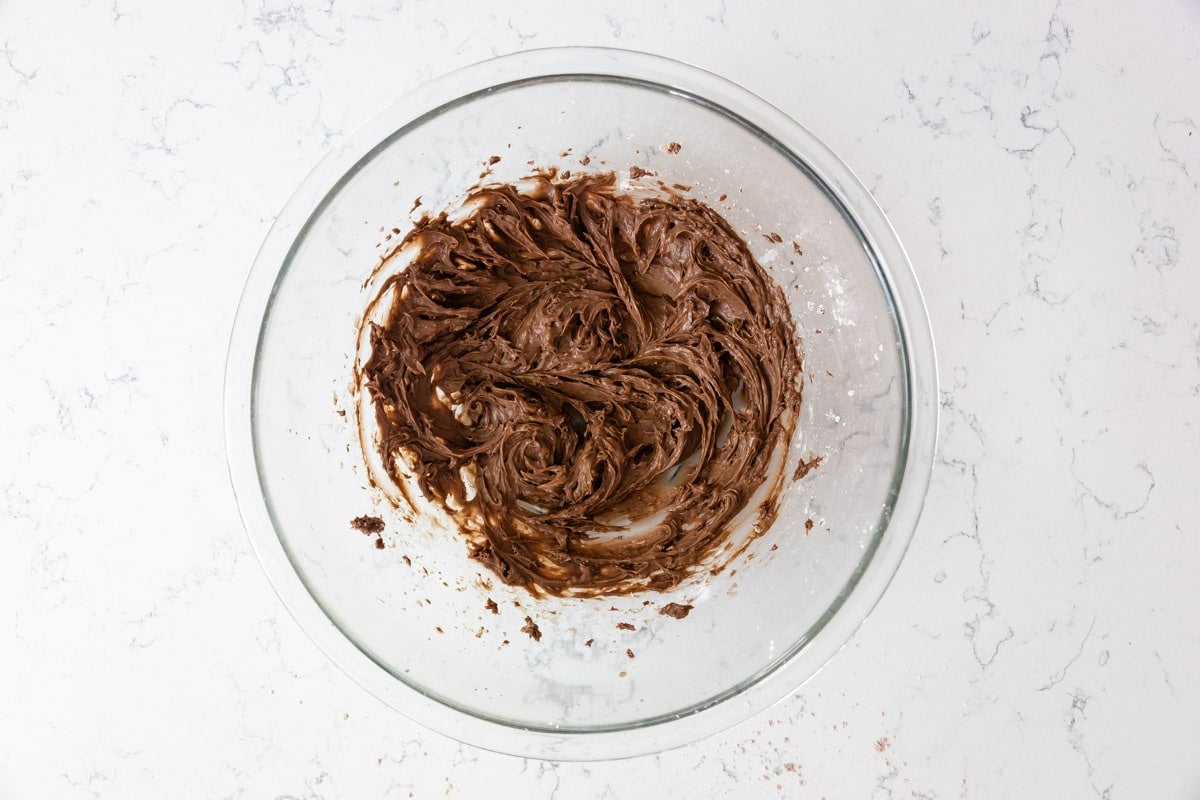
593, 384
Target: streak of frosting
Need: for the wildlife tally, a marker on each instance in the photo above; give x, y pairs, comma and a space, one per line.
593, 384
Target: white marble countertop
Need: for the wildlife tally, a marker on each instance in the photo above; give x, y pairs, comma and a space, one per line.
1040, 160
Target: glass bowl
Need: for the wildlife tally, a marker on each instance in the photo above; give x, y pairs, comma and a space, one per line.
610, 677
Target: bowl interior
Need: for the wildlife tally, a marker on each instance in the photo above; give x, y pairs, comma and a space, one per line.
418, 607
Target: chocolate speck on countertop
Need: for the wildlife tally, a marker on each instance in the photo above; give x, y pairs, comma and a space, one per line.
532, 629
676, 610
407, 561
416, 204
439, 629
628, 653
589, 642
881, 744
379, 543
491, 606
367, 524
494, 160
721, 199
636, 172
585, 160
773, 237
805, 467
796, 247
674, 147
808, 525
625, 626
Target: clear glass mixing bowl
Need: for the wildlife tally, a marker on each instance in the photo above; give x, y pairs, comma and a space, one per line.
409, 621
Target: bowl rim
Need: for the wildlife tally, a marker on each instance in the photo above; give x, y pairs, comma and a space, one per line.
805, 658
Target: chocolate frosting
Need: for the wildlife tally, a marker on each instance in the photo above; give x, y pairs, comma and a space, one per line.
593, 384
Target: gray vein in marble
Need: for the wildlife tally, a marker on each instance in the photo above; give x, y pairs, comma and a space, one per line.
1117, 512
1166, 130
1165, 675
1058, 677
1158, 247
719, 15
1075, 737
25, 76
1030, 121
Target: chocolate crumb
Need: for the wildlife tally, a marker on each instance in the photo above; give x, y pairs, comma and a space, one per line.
625, 626
407, 561
494, 160
805, 467
796, 247
628, 653
808, 525
636, 172
341, 412
379, 543
504, 643
881, 744
674, 147
676, 610
773, 237
416, 204
721, 199
532, 629
439, 629
491, 606
395, 230
774, 547
589, 642
622, 674
367, 525
585, 160
566, 174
